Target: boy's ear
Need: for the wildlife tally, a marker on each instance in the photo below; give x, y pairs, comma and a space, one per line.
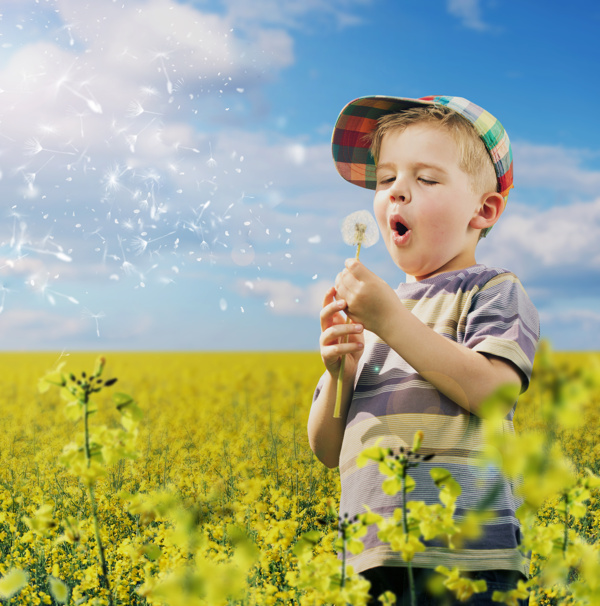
491, 207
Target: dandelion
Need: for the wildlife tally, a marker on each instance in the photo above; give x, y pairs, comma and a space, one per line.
358, 229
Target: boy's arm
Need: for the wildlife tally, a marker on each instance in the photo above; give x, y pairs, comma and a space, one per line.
465, 376
325, 432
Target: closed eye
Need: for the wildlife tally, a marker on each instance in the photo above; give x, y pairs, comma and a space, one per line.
427, 181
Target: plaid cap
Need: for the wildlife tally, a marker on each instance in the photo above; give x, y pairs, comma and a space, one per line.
355, 163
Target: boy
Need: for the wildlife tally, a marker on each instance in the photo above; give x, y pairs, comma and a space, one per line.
437, 346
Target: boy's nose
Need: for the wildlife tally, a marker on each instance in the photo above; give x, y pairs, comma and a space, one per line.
398, 195
399, 191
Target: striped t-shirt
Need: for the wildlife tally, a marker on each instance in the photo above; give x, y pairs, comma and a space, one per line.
487, 310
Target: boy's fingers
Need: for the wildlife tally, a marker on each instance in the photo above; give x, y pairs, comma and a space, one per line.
331, 307
337, 332
329, 296
339, 349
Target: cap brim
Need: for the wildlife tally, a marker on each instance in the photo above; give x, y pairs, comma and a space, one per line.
349, 141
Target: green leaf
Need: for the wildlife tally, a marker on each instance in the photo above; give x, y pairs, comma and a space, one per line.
152, 552
74, 410
121, 400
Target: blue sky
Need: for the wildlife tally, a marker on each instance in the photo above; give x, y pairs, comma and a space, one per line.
165, 169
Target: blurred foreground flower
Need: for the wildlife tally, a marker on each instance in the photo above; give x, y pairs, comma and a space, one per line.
12, 582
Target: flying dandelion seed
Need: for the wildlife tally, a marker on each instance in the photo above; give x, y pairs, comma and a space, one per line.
41, 285
112, 178
211, 162
3, 290
135, 109
60, 255
126, 266
139, 244
161, 56
33, 147
86, 313
90, 101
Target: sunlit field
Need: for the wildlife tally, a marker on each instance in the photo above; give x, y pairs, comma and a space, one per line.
223, 484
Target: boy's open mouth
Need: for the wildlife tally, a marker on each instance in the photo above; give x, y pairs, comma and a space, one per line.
400, 232
401, 228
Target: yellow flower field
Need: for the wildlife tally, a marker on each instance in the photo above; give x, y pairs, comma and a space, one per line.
223, 486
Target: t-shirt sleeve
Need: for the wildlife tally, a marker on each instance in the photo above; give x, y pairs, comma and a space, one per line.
503, 322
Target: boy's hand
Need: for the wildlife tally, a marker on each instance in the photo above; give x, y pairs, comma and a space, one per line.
370, 300
334, 329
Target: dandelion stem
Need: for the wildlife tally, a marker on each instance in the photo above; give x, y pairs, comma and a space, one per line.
340, 379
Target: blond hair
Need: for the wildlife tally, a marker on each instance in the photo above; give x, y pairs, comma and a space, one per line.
474, 158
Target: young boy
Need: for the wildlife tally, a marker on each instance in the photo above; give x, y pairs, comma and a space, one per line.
426, 355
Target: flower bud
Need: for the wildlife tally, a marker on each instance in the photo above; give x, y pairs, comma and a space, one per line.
417, 440
99, 367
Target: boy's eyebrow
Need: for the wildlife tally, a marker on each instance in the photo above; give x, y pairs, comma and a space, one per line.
417, 165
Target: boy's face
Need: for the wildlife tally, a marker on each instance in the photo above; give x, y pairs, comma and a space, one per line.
424, 202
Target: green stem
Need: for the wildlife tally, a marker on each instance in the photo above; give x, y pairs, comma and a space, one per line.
566, 535
343, 580
411, 582
340, 380
104, 582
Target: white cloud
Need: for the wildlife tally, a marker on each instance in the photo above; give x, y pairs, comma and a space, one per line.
469, 12
297, 14
555, 167
36, 329
575, 328
586, 317
135, 69
287, 298
559, 237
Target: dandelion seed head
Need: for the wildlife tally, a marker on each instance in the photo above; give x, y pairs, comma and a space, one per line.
360, 227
